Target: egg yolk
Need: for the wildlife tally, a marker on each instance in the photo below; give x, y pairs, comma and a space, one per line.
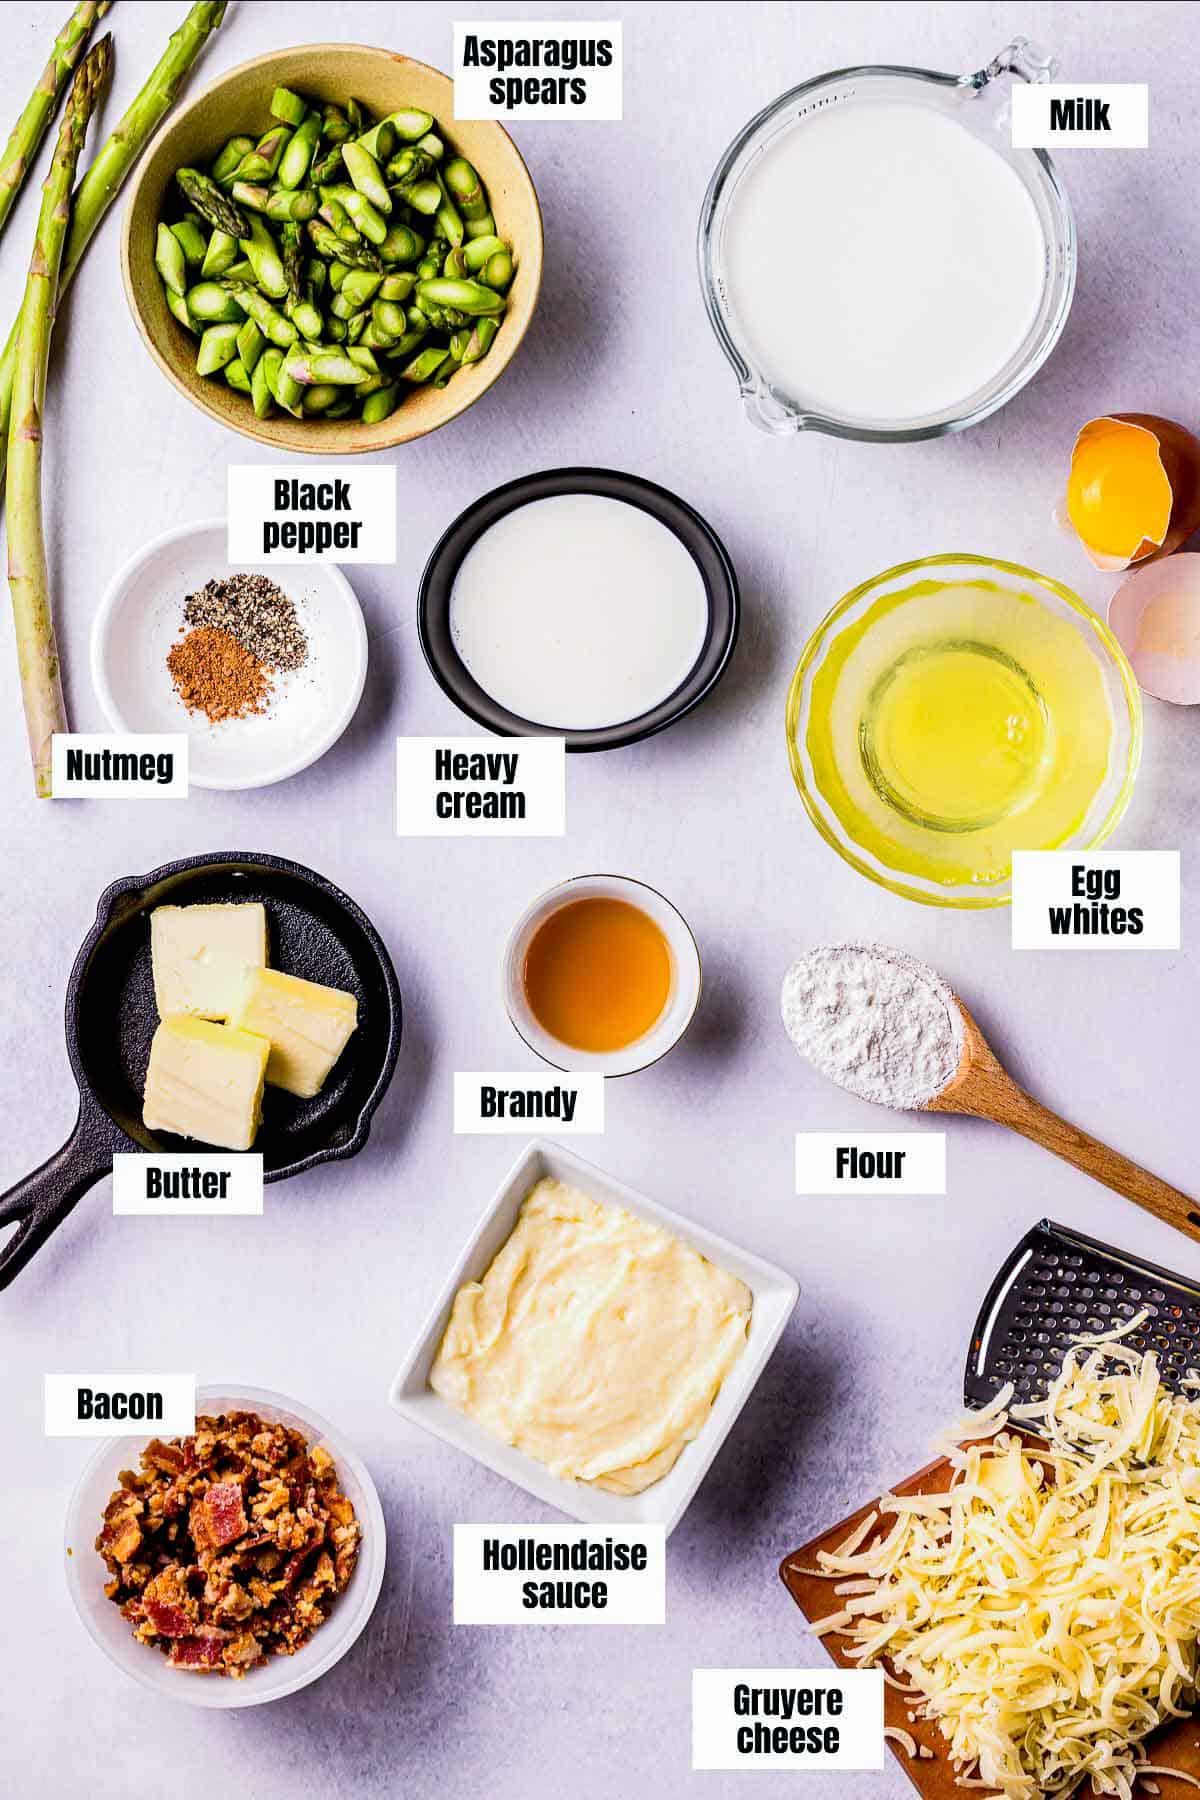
1118, 495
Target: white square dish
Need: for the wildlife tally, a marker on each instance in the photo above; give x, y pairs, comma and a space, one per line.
775, 1294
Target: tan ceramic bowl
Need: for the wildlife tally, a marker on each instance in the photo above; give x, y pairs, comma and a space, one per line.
240, 102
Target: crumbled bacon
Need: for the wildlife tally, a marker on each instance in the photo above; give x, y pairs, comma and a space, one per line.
121, 1538
218, 1517
206, 1650
239, 1525
294, 1564
168, 1621
169, 1457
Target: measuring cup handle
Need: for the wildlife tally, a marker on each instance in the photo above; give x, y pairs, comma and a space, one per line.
767, 413
1027, 61
43, 1199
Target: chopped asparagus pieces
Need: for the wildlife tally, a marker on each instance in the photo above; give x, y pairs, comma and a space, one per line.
230, 159
221, 254
260, 382
470, 297
210, 303
287, 106
411, 124
463, 183
203, 194
316, 292
193, 241
177, 306
325, 367
366, 175
301, 149
498, 271
170, 261
335, 249
381, 404
250, 345
218, 347
480, 340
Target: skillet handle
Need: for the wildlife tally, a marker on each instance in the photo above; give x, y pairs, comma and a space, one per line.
42, 1200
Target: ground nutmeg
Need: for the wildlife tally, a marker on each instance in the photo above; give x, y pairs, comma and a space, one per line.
216, 676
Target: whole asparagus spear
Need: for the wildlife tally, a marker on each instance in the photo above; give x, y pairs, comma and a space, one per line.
28, 577
30, 128
112, 163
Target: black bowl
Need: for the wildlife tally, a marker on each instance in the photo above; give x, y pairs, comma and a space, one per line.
693, 532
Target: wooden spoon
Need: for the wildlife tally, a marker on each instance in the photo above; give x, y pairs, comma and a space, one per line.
984, 1089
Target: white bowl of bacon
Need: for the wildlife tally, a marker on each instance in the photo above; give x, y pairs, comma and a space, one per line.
277, 1675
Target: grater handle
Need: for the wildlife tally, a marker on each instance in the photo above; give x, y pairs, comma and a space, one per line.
1010, 1105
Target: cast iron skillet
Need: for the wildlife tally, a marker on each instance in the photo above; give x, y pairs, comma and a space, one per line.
697, 537
314, 930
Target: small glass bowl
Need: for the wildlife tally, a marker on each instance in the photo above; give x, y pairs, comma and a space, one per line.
1111, 798
977, 101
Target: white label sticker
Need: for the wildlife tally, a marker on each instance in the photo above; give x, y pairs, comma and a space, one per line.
179, 1186
560, 1575
787, 1718
543, 69
119, 1405
481, 787
328, 514
96, 765
1098, 115
1095, 900
870, 1162
503, 1102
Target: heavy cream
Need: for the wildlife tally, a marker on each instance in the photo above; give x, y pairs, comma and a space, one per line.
579, 611
882, 262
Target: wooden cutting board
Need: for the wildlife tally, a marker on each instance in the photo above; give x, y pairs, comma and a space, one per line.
1176, 1746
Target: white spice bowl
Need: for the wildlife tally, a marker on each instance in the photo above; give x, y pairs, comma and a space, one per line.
141, 615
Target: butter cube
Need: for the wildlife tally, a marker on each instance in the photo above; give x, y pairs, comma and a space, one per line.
205, 1081
308, 1025
200, 955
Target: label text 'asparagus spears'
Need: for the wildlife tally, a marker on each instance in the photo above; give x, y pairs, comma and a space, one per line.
273, 516
526, 69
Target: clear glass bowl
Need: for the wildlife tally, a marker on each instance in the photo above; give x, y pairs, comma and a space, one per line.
1112, 795
977, 101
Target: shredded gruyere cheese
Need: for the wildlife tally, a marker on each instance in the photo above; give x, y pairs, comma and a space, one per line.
905, 1738
1046, 1608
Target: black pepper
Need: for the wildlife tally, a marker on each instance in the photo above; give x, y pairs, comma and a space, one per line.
256, 613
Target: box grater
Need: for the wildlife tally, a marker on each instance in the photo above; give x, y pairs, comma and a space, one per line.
1058, 1285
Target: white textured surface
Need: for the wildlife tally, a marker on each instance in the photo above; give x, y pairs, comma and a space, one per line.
321, 1296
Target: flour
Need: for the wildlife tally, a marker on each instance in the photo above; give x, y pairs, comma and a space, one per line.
878, 1022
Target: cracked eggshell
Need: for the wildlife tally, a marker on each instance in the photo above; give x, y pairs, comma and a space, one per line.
1155, 617
1133, 494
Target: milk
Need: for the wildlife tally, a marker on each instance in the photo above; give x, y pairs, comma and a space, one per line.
881, 262
578, 611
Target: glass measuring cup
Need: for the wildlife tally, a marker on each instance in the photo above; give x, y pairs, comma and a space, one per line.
980, 103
